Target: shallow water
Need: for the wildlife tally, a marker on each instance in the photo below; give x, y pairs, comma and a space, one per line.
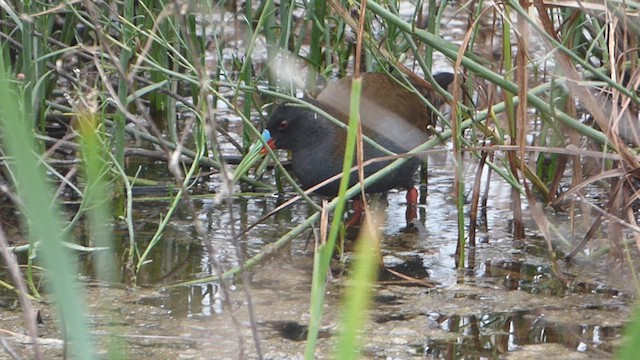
507, 302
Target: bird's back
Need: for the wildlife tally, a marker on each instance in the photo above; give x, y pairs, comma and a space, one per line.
390, 114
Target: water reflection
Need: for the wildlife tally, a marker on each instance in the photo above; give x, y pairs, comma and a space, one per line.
491, 334
506, 298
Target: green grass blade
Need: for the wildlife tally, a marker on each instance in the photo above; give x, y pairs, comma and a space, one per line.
358, 296
44, 221
325, 251
631, 346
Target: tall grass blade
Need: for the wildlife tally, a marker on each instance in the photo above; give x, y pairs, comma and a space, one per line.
43, 219
358, 296
324, 253
97, 195
631, 346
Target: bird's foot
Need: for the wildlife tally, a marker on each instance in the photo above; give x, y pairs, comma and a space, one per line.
358, 210
412, 205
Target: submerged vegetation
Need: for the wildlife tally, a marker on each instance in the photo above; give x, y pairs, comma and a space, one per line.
545, 98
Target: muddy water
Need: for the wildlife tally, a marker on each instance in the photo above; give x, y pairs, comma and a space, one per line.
506, 303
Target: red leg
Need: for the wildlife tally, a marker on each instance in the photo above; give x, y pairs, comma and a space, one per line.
358, 209
412, 205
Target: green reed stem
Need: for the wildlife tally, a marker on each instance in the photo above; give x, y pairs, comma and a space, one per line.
358, 295
572, 55
174, 204
472, 63
318, 13
123, 83
28, 65
325, 251
97, 194
42, 217
355, 190
631, 342
286, 22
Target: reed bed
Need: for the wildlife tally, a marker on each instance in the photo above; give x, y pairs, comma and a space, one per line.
545, 98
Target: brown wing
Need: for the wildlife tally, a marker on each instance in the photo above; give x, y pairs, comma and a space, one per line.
387, 109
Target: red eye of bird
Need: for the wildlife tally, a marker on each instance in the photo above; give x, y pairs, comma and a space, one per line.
283, 125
